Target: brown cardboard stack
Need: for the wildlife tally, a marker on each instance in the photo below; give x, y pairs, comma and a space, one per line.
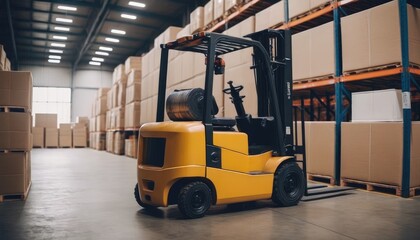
231, 4
38, 137
313, 53
48, 121
15, 132
372, 38
51, 137
110, 141
79, 136
208, 13
131, 147
99, 140
116, 115
132, 63
218, 8
372, 152
101, 109
269, 17
98, 125
132, 108
197, 19
65, 135
119, 142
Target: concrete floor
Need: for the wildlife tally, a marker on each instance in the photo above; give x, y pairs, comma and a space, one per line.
86, 194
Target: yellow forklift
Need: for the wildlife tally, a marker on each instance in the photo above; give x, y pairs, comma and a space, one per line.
197, 160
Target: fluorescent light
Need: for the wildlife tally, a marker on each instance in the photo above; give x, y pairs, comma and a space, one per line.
116, 31
53, 61
97, 59
59, 37
66, 29
54, 57
56, 51
102, 53
95, 63
105, 49
112, 40
58, 44
136, 4
128, 16
66, 20
68, 8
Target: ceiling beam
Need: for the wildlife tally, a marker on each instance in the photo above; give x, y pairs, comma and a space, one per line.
142, 13
15, 64
99, 19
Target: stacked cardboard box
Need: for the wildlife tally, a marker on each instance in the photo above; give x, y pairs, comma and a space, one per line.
47, 124
15, 132
208, 13
197, 19
116, 114
218, 8
131, 147
269, 17
110, 141
79, 136
119, 137
371, 38
65, 135
101, 107
132, 108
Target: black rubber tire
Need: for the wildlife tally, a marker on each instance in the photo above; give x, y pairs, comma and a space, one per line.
288, 186
138, 200
194, 199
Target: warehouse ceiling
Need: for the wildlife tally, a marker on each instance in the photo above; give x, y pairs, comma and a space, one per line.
107, 31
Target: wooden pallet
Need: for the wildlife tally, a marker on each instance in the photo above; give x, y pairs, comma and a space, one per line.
378, 187
18, 196
311, 11
314, 79
373, 69
321, 178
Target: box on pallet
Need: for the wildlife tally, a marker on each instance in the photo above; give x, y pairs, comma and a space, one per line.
208, 13
15, 131
51, 137
133, 93
134, 77
92, 124
110, 141
65, 135
100, 123
218, 8
119, 74
101, 105
132, 115
109, 99
46, 120
38, 137
117, 118
197, 19
16, 89
371, 38
122, 87
229, 4
132, 63
269, 17
15, 172
100, 141
131, 147
119, 143
80, 137
114, 95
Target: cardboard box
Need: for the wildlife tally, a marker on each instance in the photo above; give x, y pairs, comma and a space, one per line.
84, 120
208, 13
132, 63
102, 92
51, 137
38, 137
134, 77
231, 3
313, 52
46, 120
65, 137
269, 17
65, 125
122, 87
132, 115
108, 117
100, 141
101, 105
114, 95
182, 33
218, 8
117, 118
101, 123
109, 99
80, 137
92, 124
119, 143
119, 74
131, 147
15, 172
169, 35
297, 8
15, 131
321, 148
16, 89
110, 141
372, 37
133, 93
381, 105
197, 19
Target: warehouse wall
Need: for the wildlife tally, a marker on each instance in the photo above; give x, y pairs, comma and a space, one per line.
86, 82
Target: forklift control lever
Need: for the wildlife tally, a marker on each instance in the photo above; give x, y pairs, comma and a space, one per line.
236, 98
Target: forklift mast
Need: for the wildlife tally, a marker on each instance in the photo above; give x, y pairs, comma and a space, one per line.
277, 43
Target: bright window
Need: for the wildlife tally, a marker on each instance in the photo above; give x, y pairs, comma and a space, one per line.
53, 100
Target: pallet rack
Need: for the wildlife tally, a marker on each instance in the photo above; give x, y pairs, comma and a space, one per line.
342, 85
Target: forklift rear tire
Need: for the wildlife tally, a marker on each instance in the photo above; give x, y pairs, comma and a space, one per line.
138, 200
194, 199
288, 187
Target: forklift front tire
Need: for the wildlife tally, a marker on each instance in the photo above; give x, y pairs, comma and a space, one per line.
288, 187
138, 200
194, 199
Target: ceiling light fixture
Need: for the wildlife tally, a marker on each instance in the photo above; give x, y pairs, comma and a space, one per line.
95, 63
114, 40
55, 51
65, 20
66, 29
68, 8
54, 57
58, 44
53, 61
102, 53
116, 31
96, 59
128, 16
136, 4
59, 37
105, 49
